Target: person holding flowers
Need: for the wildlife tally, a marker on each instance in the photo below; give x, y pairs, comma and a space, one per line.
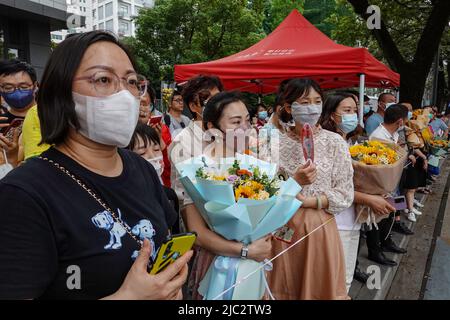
224, 113
340, 116
315, 267
380, 241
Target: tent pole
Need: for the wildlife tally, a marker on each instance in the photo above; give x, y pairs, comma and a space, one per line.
362, 78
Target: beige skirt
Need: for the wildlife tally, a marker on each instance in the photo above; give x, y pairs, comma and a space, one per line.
314, 269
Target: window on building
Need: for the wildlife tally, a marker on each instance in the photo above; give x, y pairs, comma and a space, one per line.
110, 25
101, 26
124, 28
108, 10
124, 10
100, 13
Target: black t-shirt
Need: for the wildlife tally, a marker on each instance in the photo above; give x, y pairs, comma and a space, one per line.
51, 230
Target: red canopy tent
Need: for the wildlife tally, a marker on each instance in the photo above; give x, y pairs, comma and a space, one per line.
295, 49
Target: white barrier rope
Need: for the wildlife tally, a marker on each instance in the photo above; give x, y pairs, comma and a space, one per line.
243, 279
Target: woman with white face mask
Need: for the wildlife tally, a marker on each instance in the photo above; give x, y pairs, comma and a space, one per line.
315, 268
86, 207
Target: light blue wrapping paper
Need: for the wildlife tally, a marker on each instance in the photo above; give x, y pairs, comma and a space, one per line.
245, 221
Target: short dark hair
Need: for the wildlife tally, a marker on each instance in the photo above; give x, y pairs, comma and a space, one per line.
395, 113
381, 96
174, 94
198, 83
148, 135
294, 89
9, 67
56, 108
331, 103
216, 105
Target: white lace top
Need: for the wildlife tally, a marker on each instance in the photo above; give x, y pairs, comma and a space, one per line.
333, 162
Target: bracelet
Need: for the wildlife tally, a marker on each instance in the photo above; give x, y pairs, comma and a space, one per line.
319, 203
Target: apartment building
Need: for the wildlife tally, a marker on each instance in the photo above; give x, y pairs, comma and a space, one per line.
25, 27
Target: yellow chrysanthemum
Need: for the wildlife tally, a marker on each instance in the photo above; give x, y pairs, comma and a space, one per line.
373, 152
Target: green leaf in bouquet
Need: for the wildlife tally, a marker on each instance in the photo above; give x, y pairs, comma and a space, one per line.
234, 168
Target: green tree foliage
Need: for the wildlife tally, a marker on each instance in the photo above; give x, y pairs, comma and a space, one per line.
277, 10
190, 31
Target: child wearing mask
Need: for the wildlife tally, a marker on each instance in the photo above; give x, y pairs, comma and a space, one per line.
146, 142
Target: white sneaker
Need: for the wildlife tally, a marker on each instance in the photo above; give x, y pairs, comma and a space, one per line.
416, 212
412, 217
418, 204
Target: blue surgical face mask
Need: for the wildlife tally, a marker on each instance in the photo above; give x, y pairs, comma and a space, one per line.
366, 109
19, 99
410, 114
348, 123
262, 115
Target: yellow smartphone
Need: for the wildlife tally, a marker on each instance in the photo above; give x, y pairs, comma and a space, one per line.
172, 249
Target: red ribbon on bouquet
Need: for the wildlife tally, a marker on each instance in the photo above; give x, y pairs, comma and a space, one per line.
307, 142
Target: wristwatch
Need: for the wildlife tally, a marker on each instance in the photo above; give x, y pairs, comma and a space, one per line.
244, 251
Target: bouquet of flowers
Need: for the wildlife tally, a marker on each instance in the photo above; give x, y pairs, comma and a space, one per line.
166, 93
378, 167
373, 153
240, 199
439, 146
247, 184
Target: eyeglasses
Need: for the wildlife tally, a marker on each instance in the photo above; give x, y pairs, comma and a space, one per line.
9, 88
178, 100
107, 83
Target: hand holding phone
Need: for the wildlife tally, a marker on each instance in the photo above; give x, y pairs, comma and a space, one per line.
399, 203
14, 124
139, 285
154, 120
171, 250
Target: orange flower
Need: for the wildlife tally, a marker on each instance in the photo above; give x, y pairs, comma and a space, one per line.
244, 172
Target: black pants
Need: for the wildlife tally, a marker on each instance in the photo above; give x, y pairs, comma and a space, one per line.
376, 238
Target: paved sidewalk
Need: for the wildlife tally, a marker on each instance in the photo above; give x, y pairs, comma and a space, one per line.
406, 280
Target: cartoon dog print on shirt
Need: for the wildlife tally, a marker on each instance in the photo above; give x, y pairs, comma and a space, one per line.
104, 220
144, 230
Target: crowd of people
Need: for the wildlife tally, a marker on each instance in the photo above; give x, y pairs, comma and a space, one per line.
88, 178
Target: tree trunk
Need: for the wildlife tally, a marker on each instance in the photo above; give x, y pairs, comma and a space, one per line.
413, 74
412, 86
